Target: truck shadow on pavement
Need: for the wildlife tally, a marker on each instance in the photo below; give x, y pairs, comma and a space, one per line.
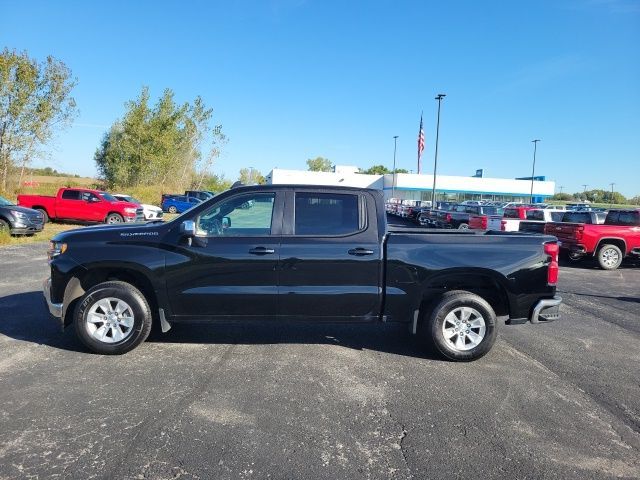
24, 317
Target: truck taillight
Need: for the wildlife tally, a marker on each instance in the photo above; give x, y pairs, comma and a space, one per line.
485, 222
553, 250
579, 232
503, 225
448, 217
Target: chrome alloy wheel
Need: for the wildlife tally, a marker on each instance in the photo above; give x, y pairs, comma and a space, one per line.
463, 328
110, 320
610, 257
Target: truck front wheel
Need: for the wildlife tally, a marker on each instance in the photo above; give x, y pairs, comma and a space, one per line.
113, 318
461, 326
114, 218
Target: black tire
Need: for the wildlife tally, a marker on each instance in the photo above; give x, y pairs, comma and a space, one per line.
44, 213
463, 226
126, 293
434, 321
609, 257
114, 218
173, 209
4, 226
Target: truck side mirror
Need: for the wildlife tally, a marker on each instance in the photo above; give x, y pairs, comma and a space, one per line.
188, 228
226, 222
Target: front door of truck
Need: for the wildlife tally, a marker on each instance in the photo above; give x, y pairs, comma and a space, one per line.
231, 267
330, 256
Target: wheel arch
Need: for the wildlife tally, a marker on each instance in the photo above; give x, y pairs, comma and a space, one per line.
617, 241
87, 279
487, 284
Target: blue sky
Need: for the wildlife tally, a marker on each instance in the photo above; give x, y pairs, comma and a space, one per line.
291, 80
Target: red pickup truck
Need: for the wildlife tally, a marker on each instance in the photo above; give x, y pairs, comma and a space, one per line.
610, 242
83, 205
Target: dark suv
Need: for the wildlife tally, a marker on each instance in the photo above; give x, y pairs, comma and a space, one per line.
19, 220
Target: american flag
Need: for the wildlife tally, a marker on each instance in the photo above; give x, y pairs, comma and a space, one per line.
420, 142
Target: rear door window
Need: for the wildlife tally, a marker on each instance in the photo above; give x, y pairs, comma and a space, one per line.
629, 218
71, 195
328, 214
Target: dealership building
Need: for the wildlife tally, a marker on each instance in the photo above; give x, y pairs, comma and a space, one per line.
418, 187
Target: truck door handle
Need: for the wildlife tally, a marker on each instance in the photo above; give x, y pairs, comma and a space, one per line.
358, 252
261, 251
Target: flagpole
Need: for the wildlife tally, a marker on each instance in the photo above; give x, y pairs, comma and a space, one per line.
435, 163
419, 138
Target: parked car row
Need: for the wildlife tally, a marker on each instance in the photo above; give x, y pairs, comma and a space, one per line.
608, 236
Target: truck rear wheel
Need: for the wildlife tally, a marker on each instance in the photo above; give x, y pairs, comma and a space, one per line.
113, 318
609, 257
461, 326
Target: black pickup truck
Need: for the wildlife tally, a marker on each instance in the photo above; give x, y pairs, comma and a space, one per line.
299, 252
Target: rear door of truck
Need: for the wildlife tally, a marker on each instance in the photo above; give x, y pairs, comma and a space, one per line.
330, 255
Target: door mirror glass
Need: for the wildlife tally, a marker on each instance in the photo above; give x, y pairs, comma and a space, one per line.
226, 222
188, 228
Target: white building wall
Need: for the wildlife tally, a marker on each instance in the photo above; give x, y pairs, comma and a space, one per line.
414, 182
454, 184
302, 177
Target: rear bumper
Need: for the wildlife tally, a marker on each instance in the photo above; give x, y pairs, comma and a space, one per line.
546, 310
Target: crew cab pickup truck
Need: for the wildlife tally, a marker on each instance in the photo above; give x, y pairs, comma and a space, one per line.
324, 254
460, 215
609, 243
84, 205
512, 216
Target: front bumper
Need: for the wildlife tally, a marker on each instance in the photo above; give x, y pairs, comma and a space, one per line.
55, 309
546, 310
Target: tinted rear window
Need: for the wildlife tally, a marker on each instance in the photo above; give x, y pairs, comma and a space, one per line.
535, 215
327, 214
630, 218
71, 195
511, 213
576, 217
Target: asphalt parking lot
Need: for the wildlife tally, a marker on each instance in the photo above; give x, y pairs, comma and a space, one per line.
559, 400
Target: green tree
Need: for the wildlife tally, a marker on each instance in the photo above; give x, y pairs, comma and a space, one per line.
382, 170
215, 183
250, 176
159, 145
319, 164
377, 170
562, 197
35, 103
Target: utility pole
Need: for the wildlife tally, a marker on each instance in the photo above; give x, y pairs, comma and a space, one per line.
533, 170
584, 192
395, 148
611, 203
435, 163
561, 187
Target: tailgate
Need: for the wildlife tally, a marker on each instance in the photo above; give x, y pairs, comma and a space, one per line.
565, 232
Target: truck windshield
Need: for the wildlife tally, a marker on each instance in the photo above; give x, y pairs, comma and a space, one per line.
5, 203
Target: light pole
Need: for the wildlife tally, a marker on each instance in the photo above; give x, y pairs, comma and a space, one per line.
393, 185
561, 187
439, 98
584, 191
533, 170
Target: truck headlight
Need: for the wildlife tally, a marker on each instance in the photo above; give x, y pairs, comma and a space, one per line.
56, 248
130, 210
